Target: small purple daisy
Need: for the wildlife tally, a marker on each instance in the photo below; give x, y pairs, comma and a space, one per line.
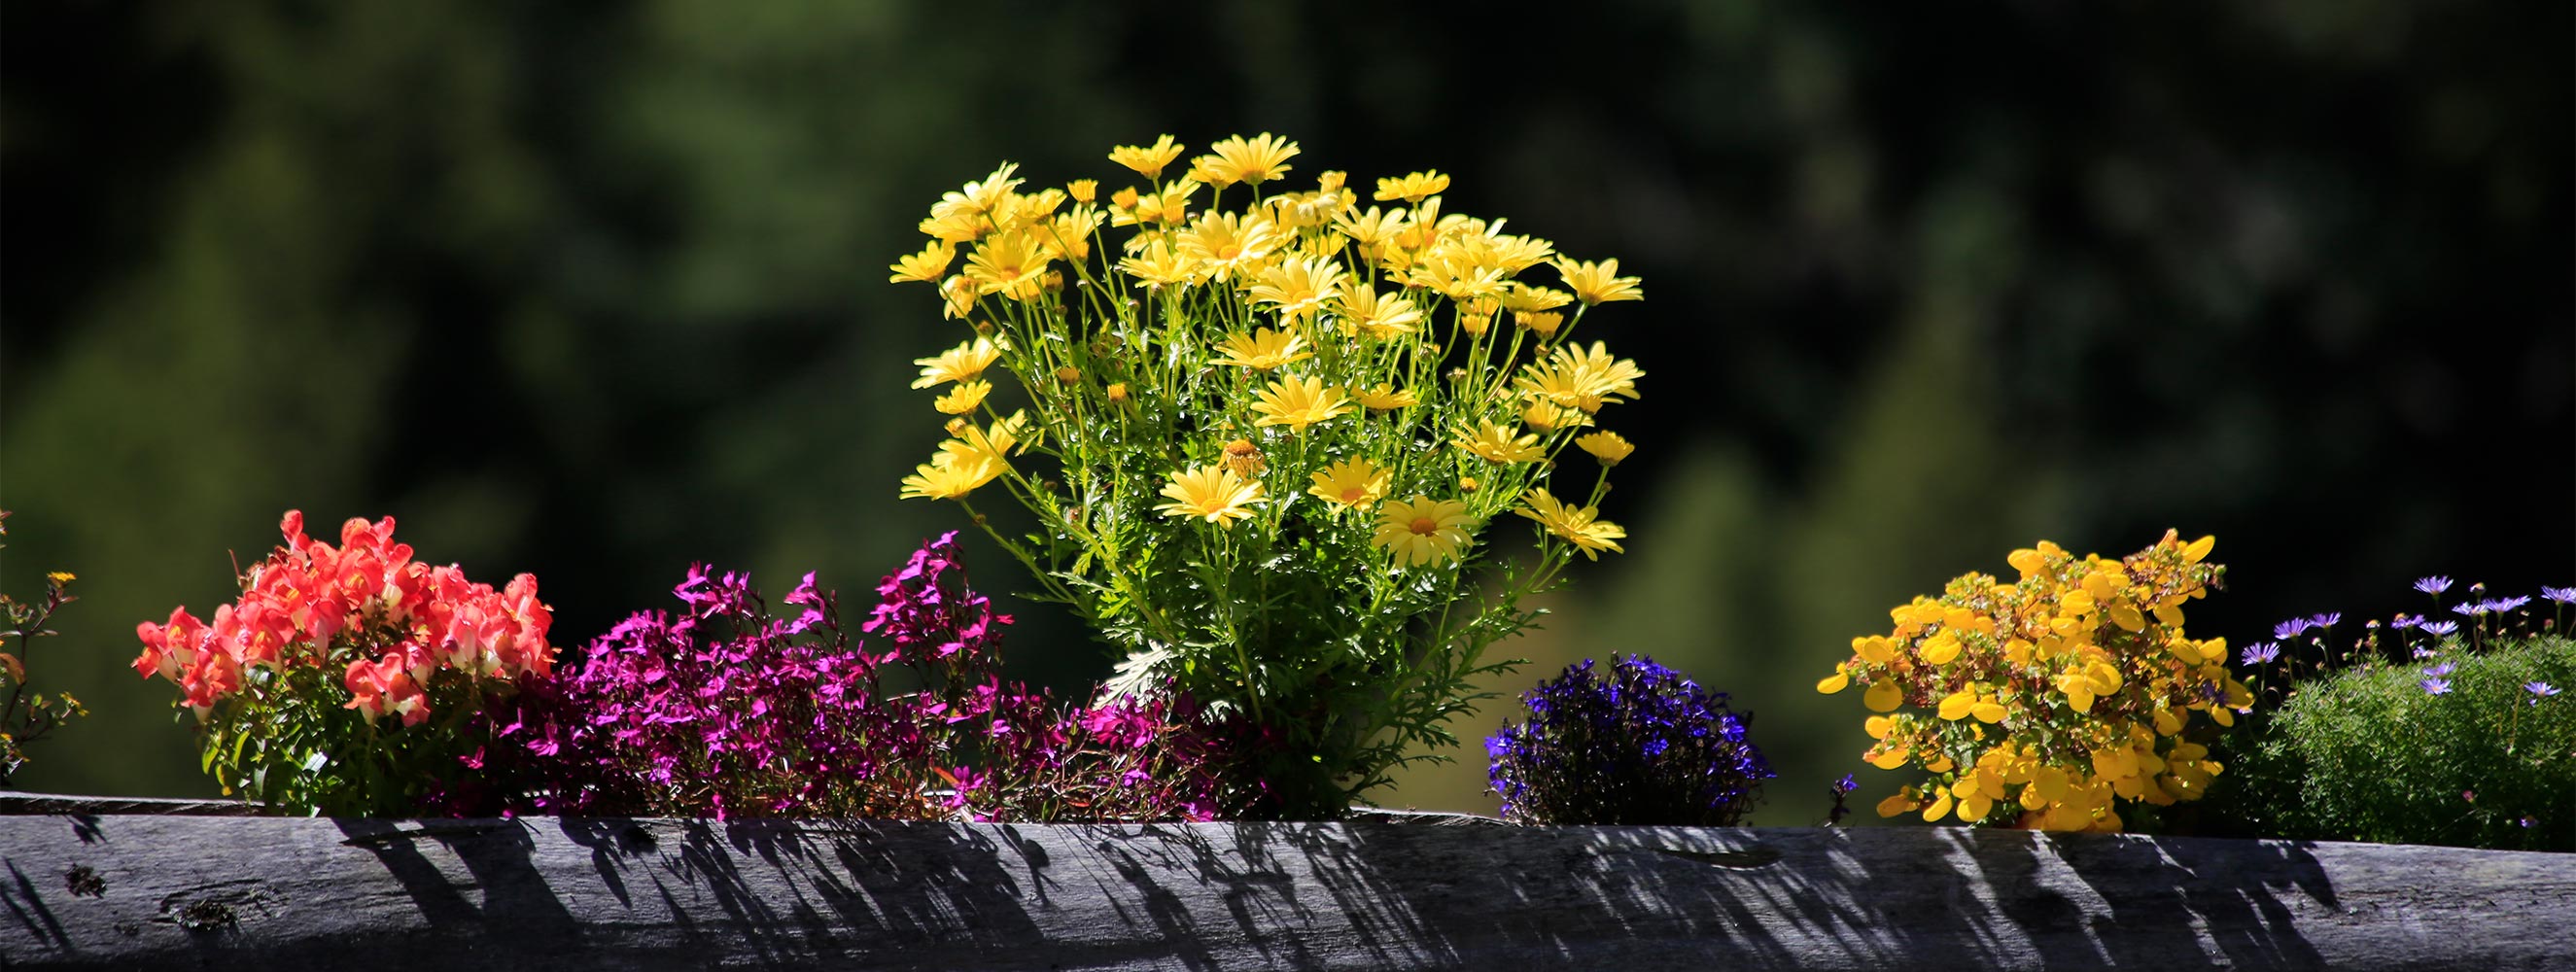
2435, 686
2325, 620
2409, 620
2441, 629
2539, 690
2260, 653
2440, 670
2289, 629
2509, 604
2562, 595
2433, 585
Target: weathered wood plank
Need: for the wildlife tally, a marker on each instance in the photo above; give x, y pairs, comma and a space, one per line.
125, 891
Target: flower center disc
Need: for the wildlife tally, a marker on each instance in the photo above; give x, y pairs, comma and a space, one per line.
1423, 526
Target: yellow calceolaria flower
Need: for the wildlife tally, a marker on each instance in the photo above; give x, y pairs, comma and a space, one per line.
1260, 159
2088, 650
1423, 531
1212, 493
1299, 287
1298, 403
965, 362
1581, 527
926, 266
1598, 283
1148, 161
1224, 243
1351, 483
1012, 265
964, 398
1385, 398
1494, 443
1413, 188
1607, 447
1263, 349
1383, 318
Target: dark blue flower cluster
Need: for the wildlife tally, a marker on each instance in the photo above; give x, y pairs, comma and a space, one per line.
1638, 744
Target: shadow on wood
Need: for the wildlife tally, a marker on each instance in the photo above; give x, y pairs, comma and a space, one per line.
100, 891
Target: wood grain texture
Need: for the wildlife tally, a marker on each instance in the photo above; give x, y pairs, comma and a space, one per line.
158, 891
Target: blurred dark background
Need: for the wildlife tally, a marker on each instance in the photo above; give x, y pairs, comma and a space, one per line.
596, 289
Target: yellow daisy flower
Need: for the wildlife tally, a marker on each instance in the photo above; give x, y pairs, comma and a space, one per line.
967, 462
1385, 398
1263, 349
1158, 266
1263, 158
1422, 530
954, 228
1212, 493
1494, 443
1083, 190
1523, 298
1583, 528
1354, 482
1012, 264
964, 398
1298, 403
1547, 416
959, 293
1599, 374
1544, 322
1225, 242
1412, 188
984, 198
1380, 317
1148, 161
1299, 286
938, 480
924, 267
1598, 283
964, 362
1371, 229
1608, 447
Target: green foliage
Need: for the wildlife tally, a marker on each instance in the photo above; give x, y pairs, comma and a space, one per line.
27, 716
2367, 754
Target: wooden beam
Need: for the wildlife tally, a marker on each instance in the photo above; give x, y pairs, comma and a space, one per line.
99, 890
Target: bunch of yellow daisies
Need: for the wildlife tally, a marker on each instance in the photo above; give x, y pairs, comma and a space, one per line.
1244, 383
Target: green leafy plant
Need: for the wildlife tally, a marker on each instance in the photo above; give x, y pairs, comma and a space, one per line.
2452, 730
1275, 438
30, 715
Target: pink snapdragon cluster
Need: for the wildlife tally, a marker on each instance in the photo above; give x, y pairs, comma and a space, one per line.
392, 622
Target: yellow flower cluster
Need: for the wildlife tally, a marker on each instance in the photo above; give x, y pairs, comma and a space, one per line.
1299, 314
1282, 422
2043, 703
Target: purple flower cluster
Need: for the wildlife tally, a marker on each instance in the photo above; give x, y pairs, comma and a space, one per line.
1638, 744
730, 710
